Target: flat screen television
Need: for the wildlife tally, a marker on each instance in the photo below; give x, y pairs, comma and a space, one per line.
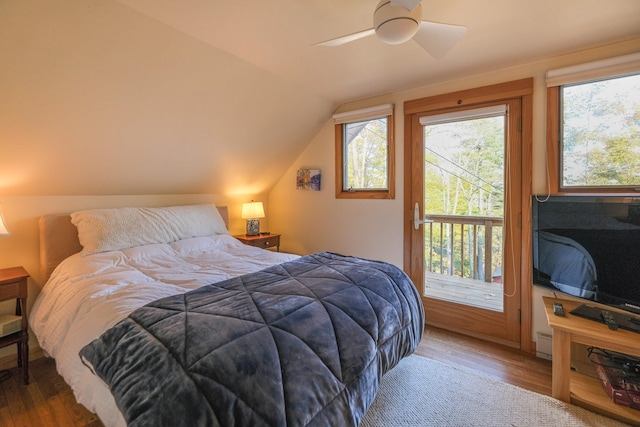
588, 247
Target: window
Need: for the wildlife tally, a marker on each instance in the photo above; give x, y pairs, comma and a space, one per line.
365, 153
593, 138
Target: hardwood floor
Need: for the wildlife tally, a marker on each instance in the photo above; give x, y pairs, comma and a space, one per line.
488, 359
48, 401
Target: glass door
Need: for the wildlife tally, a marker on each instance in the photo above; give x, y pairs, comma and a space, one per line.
464, 206
465, 225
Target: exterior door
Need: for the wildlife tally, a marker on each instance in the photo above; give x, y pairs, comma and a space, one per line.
465, 207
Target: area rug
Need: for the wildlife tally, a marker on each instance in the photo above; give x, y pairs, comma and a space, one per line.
424, 392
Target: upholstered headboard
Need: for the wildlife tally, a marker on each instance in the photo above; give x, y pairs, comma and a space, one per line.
59, 240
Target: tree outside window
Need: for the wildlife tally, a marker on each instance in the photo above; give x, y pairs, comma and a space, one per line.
600, 134
364, 158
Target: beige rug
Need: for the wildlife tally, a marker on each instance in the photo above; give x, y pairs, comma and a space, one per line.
424, 392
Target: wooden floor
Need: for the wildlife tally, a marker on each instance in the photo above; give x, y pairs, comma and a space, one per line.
48, 401
491, 360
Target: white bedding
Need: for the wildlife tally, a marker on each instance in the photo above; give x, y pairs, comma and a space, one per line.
88, 294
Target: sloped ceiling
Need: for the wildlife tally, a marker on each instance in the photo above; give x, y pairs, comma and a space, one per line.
97, 98
278, 36
200, 96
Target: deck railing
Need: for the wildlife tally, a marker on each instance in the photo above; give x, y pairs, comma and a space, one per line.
463, 246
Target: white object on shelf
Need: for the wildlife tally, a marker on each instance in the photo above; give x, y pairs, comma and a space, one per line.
9, 324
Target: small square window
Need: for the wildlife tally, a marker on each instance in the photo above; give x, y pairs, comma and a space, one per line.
364, 158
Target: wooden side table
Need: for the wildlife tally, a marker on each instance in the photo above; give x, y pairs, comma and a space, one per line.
577, 388
264, 241
13, 285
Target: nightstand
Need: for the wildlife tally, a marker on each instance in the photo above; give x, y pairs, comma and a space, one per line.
264, 241
13, 285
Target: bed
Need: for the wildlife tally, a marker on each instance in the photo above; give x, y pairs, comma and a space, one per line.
162, 318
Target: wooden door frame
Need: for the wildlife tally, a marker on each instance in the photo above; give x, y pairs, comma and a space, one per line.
522, 89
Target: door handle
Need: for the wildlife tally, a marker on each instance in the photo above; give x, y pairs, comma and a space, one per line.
416, 217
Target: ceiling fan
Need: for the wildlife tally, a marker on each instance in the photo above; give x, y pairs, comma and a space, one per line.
398, 21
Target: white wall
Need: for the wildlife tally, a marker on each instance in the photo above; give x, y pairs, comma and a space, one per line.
315, 221
96, 98
312, 221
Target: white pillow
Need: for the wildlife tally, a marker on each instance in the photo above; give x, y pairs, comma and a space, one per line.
102, 230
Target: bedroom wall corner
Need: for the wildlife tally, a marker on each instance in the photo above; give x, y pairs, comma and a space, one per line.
314, 221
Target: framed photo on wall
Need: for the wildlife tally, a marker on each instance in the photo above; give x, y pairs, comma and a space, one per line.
308, 179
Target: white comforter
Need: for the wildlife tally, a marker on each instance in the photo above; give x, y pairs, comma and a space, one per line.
86, 295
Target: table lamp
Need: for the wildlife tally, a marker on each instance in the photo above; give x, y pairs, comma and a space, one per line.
252, 212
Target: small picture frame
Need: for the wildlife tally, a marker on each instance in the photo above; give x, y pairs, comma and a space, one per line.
308, 179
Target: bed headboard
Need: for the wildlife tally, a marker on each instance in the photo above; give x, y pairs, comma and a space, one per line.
59, 240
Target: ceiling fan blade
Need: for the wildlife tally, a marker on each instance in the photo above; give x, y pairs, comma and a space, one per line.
438, 39
407, 4
347, 39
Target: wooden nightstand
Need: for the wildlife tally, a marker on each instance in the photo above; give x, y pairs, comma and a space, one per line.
13, 285
264, 241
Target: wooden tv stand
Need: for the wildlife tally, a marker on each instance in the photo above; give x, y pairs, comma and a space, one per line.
577, 388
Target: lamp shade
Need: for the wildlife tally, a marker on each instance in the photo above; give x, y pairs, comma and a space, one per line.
3, 228
252, 210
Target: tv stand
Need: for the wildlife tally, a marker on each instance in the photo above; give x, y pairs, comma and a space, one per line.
577, 388
595, 312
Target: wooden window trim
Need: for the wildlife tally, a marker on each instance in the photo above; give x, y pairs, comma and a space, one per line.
389, 193
553, 139
516, 89
554, 174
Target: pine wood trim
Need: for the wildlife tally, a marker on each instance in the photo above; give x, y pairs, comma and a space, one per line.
519, 89
514, 89
526, 267
553, 136
390, 193
554, 181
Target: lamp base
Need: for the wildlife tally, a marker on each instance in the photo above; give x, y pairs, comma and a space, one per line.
253, 227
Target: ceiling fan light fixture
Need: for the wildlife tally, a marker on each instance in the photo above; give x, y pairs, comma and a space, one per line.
397, 31
396, 24
398, 21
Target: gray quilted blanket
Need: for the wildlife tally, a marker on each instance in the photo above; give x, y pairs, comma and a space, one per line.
303, 343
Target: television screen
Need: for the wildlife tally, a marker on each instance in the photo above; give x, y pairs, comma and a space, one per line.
588, 247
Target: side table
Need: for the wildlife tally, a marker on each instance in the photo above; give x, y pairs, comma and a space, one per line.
13, 285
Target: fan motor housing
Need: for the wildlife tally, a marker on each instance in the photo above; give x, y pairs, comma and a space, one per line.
395, 24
